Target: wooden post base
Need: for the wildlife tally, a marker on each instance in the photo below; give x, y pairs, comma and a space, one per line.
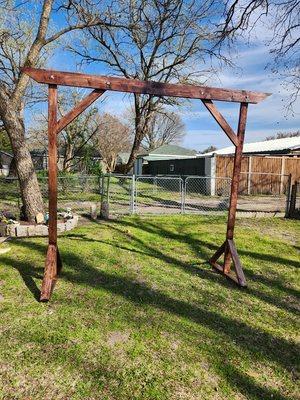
229, 246
53, 267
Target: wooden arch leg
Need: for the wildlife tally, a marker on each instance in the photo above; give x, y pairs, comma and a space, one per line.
228, 248
52, 258
53, 263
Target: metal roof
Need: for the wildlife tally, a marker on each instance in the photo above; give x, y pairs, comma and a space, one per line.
284, 145
168, 151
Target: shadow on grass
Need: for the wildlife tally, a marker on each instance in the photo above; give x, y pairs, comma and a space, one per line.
248, 387
260, 344
202, 249
27, 273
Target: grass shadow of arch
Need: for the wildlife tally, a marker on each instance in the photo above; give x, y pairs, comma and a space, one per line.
260, 344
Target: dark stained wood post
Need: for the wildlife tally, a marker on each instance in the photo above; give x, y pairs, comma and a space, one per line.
52, 252
235, 183
52, 152
102, 83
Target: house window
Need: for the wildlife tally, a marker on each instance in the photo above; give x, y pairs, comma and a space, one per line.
171, 167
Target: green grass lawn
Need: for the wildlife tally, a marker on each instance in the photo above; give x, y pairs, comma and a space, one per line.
138, 314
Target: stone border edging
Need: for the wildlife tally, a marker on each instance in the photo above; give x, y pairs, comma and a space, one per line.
14, 230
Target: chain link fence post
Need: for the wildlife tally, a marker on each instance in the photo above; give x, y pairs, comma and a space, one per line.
132, 202
183, 189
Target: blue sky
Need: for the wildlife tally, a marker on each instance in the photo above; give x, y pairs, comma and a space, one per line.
250, 73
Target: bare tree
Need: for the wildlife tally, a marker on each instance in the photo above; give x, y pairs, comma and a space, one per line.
23, 42
281, 135
209, 149
76, 138
282, 17
154, 40
112, 137
78, 135
164, 128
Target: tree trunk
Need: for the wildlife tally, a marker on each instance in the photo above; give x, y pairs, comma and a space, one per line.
29, 187
68, 157
134, 152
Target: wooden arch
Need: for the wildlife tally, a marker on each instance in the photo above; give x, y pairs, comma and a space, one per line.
100, 84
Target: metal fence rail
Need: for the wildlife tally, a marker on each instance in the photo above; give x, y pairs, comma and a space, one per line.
129, 194
118, 192
206, 194
262, 193
157, 195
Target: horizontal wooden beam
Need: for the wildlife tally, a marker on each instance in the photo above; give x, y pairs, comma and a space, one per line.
218, 117
142, 87
78, 109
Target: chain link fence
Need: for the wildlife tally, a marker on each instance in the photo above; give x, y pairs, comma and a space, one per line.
206, 194
126, 194
158, 195
78, 192
259, 193
118, 191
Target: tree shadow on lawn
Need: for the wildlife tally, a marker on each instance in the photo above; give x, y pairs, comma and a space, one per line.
200, 248
159, 230
27, 273
248, 387
260, 345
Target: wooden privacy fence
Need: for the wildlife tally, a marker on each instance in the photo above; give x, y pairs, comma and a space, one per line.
261, 174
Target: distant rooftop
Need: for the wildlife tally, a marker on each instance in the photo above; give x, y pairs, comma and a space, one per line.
168, 151
279, 146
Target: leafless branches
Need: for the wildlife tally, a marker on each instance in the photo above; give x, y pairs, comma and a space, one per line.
163, 41
112, 138
283, 19
165, 128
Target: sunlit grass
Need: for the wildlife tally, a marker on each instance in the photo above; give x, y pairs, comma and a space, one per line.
138, 314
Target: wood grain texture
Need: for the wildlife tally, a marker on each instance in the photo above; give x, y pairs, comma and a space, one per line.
52, 166
142, 87
237, 263
50, 273
218, 117
235, 182
218, 253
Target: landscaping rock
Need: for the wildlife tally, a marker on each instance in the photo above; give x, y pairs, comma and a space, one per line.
61, 227
104, 212
22, 230
11, 230
2, 230
93, 211
9, 215
39, 218
40, 230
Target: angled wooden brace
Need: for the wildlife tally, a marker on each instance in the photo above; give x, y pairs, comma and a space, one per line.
237, 276
218, 117
228, 247
53, 262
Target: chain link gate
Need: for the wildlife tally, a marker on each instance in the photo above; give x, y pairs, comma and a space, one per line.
119, 192
206, 195
259, 193
159, 195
